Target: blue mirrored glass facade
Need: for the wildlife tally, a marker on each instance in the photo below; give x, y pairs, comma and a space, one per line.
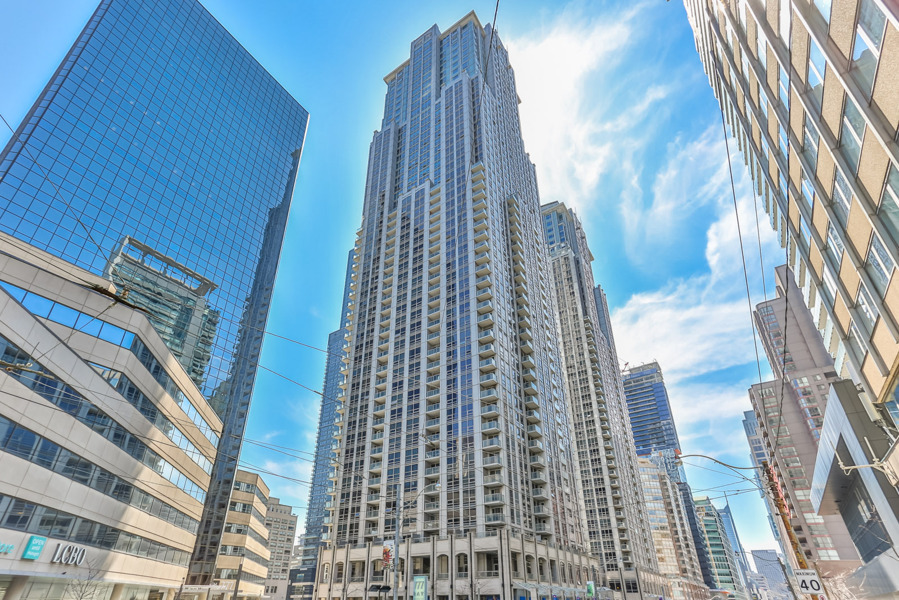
160, 132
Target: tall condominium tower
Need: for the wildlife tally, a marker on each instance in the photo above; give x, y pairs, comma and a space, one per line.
725, 570
321, 490
789, 413
671, 535
656, 437
455, 426
649, 409
807, 88
616, 519
184, 143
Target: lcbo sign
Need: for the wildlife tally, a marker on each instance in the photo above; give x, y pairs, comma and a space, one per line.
68, 555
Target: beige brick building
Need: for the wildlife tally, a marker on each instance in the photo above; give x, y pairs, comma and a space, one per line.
810, 90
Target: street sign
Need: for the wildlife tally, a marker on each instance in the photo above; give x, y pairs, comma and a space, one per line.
591, 593
808, 581
420, 587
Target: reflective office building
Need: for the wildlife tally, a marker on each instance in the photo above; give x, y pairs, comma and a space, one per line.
160, 128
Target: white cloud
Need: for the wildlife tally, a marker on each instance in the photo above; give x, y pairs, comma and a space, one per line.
573, 134
700, 325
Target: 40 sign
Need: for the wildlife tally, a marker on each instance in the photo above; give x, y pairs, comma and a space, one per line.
808, 581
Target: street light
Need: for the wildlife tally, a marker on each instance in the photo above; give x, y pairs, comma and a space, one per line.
401, 509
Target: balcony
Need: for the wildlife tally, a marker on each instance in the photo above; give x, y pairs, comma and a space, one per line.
492, 443
534, 431
538, 477
486, 336
487, 364
432, 472
491, 410
485, 320
535, 446
433, 409
483, 281
432, 456
541, 511
527, 347
488, 380
493, 519
489, 394
485, 293
493, 460
541, 528
539, 493
493, 480
432, 424
481, 258
533, 416
484, 306
494, 499
486, 350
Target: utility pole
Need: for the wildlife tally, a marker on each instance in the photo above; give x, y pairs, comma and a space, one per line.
784, 515
237, 581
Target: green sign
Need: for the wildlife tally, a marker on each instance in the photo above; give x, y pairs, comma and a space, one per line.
420, 587
590, 590
34, 547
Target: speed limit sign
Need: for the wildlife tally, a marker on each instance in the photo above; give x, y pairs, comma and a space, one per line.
808, 581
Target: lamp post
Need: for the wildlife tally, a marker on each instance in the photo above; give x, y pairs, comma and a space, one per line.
401, 509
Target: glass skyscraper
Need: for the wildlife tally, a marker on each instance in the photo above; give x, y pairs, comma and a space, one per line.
656, 437
650, 410
159, 128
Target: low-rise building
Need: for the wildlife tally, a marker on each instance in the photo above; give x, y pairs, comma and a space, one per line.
106, 444
244, 555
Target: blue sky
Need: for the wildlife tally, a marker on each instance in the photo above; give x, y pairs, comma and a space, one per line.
620, 121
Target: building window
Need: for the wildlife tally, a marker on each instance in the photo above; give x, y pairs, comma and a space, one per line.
852, 132
810, 142
823, 7
889, 205
834, 245
807, 190
815, 78
842, 197
784, 87
879, 265
866, 50
866, 307
761, 50
782, 140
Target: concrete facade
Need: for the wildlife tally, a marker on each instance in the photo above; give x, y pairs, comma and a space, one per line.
455, 432
282, 534
617, 525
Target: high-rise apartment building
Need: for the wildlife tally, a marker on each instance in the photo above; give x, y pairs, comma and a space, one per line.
455, 434
789, 412
651, 419
106, 445
671, 535
650, 409
617, 526
282, 533
730, 528
725, 570
316, 534
187, 145
807, 88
